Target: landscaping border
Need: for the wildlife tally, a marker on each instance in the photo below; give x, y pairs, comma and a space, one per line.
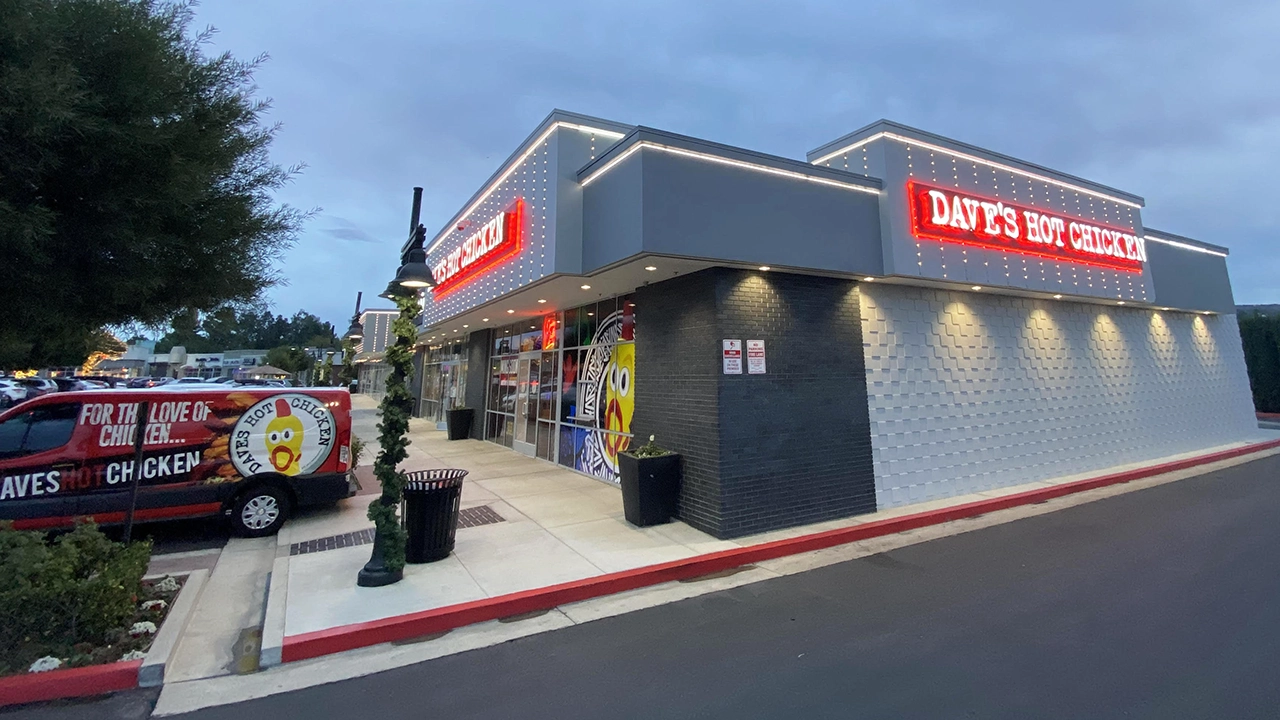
400, 627
110, 677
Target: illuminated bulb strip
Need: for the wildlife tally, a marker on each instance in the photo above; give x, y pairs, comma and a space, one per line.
980, 161
512, 168
1184, 246
723, 161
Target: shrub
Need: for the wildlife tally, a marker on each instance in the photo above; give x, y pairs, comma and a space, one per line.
1260, 335
69, 598
650, 449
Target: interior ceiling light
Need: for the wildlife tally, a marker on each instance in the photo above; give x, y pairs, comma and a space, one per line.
764, 268
650, 268
977, 287
1057, 297
1120, 303
484, 319
867, 279
511, 312
586, 287
542, 300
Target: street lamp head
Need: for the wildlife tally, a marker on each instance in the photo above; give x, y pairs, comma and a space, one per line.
414, 273
355, 332
395, 290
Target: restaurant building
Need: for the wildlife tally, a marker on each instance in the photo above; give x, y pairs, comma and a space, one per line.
897, 318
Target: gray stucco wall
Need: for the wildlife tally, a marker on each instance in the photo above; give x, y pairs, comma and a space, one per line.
669, 204
1189, 279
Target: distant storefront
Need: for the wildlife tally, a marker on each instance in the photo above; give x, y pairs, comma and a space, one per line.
900, 318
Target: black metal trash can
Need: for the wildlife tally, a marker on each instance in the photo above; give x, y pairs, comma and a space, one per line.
431, 500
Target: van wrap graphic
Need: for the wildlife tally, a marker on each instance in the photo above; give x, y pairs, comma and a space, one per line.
291, 434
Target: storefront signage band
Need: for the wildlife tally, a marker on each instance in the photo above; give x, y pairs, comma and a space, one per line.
948, 215
495, 241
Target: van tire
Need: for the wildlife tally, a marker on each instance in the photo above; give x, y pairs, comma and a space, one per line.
259, 511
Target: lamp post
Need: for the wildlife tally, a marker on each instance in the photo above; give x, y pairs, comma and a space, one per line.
386, 563
355, 332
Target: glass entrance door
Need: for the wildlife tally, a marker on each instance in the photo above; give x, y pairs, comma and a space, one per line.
527, 378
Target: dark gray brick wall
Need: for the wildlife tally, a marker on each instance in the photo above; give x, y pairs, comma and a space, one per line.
766, 451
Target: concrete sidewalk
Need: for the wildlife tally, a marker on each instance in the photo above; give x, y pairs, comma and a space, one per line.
555, 526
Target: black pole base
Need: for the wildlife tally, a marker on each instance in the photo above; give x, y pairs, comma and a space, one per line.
375, 572
378, 576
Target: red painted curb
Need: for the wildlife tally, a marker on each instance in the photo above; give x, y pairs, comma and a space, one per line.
400, 627
72, 682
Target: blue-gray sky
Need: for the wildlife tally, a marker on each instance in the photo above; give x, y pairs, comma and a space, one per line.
1173, 100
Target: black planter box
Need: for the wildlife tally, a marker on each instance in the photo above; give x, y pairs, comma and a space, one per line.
458, 423
650, 488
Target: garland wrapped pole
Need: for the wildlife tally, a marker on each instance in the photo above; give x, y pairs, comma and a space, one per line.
386, 566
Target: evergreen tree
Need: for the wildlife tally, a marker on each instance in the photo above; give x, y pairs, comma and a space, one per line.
135, 181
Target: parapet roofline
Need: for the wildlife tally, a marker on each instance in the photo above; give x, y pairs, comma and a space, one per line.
883, 126
555, 118
642, 136
1157, 235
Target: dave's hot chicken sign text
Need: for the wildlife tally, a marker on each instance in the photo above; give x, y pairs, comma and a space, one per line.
490, 244
950, 215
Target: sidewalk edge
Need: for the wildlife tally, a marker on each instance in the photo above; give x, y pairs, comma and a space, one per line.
349, 637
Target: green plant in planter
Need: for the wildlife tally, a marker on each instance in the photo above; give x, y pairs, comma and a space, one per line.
357, 451
650, 450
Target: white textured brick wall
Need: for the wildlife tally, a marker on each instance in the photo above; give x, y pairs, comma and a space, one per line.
974, 391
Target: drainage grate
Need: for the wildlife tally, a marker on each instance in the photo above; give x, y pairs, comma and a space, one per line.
333, 542
467, 517
477, 516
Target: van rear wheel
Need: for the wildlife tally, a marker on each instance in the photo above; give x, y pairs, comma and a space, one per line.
259, 512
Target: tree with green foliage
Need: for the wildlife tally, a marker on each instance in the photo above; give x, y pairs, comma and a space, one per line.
1260, 335
291, 359
135, 179
348, 373
231, 329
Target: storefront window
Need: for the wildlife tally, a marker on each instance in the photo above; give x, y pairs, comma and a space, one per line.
444, 374
562, 387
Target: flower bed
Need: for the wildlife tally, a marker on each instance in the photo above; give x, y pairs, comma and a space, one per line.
76, 601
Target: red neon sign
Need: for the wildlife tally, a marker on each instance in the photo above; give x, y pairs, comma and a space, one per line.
496, 241
949, 215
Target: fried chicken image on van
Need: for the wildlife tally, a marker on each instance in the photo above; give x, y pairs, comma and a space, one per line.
284, 439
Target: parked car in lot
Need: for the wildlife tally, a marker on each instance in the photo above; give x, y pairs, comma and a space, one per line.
38, 386
11, 393
189, 381
250, 455
148, 382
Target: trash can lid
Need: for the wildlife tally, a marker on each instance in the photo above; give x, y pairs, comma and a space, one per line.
437, 479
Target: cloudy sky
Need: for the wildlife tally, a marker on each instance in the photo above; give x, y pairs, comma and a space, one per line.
1176, 101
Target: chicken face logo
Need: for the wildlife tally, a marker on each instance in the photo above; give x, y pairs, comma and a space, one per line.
620, 402
290, 434
284, 439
